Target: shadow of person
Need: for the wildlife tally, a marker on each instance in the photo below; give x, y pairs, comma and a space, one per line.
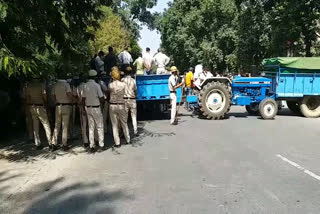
56, 197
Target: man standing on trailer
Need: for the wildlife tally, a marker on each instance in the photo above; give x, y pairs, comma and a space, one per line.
173, 86
161, 61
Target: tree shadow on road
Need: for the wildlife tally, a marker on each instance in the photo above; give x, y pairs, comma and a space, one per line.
144, 133
57, 197
18, 149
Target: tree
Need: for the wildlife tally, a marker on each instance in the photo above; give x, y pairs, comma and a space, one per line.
195, 31
37, 35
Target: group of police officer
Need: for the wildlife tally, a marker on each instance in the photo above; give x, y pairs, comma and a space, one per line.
96, 101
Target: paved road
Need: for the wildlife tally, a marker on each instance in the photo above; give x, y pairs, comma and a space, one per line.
240, 165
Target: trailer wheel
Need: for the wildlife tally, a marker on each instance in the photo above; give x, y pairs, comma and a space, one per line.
310, 106
215, 100
294, 107
253, 109
268, 108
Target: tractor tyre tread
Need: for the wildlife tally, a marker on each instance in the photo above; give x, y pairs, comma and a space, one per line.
201, 97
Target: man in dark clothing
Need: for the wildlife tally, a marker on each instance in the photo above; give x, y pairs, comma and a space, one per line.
110, 61
93, 62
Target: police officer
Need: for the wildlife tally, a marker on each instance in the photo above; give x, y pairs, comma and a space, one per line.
36, 96
104, 87
63, 98
130, 95
82, 114
93, 99
173, 85
117, 109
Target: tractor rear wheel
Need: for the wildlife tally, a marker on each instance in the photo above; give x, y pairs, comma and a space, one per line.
268, 108
215, 100
253, 109
294, 107
310, 106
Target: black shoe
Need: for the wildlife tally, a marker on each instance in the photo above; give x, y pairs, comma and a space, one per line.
86, 145
117, 146
101, 149
65, 148
54, 148
40, 147
50, 146
92, 150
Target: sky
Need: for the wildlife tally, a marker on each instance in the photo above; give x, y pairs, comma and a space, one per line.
149, 38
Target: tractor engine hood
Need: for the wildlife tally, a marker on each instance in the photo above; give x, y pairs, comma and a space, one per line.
257, 81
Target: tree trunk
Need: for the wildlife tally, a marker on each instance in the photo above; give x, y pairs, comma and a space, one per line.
308, 47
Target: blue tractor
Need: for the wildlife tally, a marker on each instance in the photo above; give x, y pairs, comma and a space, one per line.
216, 95
294, 80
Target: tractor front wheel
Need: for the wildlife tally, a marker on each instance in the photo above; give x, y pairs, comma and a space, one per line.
268, 108
215, 100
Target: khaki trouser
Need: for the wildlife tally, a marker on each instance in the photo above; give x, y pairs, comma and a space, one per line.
131, 105
173, 99
72, 121
40, 113
84, 124
118, 114
29, 122
95, 122
105, 115
63, 114
161, 71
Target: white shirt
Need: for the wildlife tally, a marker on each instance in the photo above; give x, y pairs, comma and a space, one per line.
99, 64
173, 82
131, 87
198, 71
60, 90
148, 60
125, 58
205, 75
161, 60
92, 92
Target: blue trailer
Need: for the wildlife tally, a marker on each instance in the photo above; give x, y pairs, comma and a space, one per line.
299, 86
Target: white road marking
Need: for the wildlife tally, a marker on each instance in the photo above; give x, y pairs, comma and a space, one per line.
300, 167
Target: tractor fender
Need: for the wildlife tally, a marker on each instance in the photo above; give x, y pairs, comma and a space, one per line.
224, 80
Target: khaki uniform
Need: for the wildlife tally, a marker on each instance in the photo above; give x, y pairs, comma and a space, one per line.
105, 111
92, 93
35, 92
173, 97
83, 115
63, 110
117, 111
130, 100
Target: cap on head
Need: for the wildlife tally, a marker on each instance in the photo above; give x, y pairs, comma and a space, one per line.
115, 73
92, 73
191, 69
174, 69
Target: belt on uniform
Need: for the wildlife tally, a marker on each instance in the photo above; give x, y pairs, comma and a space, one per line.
116, 103
35, 104
173, 92
129, 98
63, 104
93, 106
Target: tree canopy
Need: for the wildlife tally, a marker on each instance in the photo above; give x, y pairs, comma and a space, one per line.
232, 35
37, 36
